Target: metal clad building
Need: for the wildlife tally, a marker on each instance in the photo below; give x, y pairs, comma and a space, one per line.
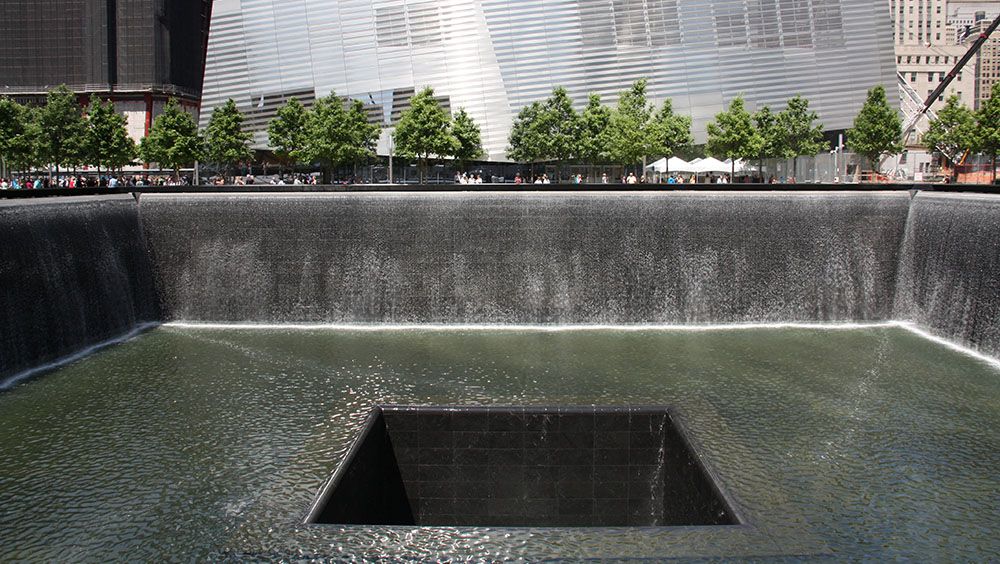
493, 57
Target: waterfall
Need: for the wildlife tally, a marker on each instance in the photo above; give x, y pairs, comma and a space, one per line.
74, 273
526, 258
949, 273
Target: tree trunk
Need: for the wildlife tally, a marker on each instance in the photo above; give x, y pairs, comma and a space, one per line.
993, 171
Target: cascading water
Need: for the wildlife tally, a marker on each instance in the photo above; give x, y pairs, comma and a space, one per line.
949, 273
526, 258
74, 274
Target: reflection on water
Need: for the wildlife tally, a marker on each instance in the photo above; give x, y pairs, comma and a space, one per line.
202, 443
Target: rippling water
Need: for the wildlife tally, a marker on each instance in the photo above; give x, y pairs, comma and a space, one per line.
211, 443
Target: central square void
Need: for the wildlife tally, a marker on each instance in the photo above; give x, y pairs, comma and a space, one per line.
521, 466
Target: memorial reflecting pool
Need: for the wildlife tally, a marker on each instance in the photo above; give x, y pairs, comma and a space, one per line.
208, 443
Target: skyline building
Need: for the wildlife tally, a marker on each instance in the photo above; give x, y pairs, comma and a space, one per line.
137, 53
493, 57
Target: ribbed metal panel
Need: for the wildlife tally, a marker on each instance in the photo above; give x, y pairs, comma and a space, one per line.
493, 57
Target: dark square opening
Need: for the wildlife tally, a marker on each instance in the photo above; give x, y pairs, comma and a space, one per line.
520, 467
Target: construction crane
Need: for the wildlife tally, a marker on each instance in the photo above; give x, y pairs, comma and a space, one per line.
926, 106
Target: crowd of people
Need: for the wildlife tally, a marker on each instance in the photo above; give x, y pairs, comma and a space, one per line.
38, 182
278, 180
44, 182
630, 178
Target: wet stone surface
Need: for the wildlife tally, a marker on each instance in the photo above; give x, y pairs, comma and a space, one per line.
517, 466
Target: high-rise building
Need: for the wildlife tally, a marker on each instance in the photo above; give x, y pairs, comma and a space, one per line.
137, 53
493, 57
988, 65
927, 49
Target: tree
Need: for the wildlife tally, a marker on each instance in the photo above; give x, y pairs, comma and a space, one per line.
107, 142
13, 121
173, 140
594, 122
732, 135
559, 127
668, 132
337, 136
953, 132
469, 139
226, 144
22, 148
287, 131
62, 129
424, 130
525, 143
628, 141
364, 135
988, 128
772, 136
877, 128
802, 138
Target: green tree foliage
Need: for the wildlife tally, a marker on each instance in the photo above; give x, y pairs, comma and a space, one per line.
62, 129
107, 143
525, 144
338, 136
732, 135
803, 137
772, 136
287, 132
16, 135
173, 140
953, 132
226, 144
559, 127
469, 144
668, 132
628, 133
424, 131
365, 135
877, 128
594, 122
988, 126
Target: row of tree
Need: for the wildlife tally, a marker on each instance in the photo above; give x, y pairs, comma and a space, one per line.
634, 130
59, 134
333, 135
62, 135
553, 131
337, 132
959, 131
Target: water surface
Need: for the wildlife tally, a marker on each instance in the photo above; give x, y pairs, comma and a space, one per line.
195, 443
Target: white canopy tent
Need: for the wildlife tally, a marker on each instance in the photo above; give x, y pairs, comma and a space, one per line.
711, 164
673, 164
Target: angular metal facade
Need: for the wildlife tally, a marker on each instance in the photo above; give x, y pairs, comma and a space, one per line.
493, 57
